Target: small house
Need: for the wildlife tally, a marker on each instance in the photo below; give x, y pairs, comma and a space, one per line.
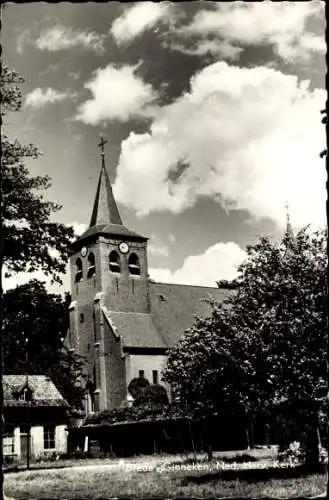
35, 417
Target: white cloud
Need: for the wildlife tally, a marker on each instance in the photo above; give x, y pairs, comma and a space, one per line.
314, 43
160, 251
78, 227
23, 278
39, 98
61, 37
249, 138
138, 18
118, 93
307, 45
219, 261
281, 24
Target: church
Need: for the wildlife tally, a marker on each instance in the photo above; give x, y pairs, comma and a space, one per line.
121, 321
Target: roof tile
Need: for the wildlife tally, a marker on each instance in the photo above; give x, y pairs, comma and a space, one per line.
136, 329
45, 393
174, 307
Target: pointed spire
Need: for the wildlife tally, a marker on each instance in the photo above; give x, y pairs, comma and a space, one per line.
288, 237
105, 210
289, 230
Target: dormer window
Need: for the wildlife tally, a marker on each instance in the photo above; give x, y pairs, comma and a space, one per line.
133, 265
25, 394
114, 262
91, 265
78, 270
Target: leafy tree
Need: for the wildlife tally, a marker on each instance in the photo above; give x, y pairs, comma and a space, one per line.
34, 327
265, 347
30, 240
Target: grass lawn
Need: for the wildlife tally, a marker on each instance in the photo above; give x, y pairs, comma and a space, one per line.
264, 454
162, 476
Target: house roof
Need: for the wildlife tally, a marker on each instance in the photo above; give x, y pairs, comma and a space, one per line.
173, 311
174, 307
135, 329
44, 391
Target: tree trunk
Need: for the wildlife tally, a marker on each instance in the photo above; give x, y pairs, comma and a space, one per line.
210, 454
247, 437
208, 439
252, 434
192, 439
312, 458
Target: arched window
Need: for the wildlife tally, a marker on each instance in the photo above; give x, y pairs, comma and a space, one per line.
133, 264
91, 265
114, 261
78, 270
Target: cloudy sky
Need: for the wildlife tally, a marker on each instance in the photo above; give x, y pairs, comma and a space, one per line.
211, 110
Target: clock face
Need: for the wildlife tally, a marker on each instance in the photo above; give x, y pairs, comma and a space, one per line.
123, 247
83, 251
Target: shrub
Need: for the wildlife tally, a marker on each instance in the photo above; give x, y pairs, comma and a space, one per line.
47, 457
9, 459
240, 459
294, 454
154, 394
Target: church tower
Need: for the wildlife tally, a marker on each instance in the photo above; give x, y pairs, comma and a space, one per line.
109, 271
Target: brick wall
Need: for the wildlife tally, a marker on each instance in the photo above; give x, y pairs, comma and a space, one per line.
124, 292
116, 381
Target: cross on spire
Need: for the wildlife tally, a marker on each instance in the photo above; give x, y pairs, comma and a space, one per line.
101, 144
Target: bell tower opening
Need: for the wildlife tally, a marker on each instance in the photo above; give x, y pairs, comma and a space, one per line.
78, 270
134, 265
91, 265
114, 262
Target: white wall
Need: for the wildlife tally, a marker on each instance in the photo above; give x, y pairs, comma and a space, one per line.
148, 363
36, 440
17, 441
61, 438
